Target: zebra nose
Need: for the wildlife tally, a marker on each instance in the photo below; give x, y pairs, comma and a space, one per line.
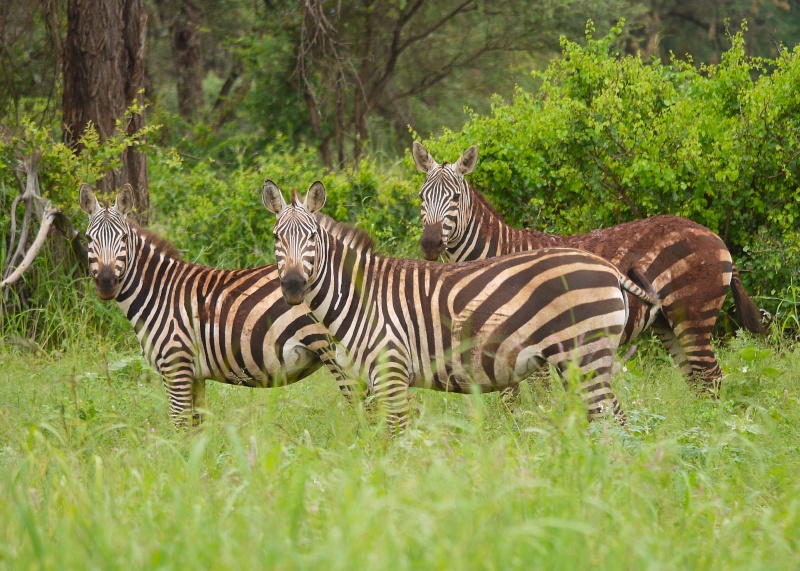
106, 282
431, 241
293, 285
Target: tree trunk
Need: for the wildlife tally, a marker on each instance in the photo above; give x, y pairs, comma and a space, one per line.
103, 76
188, 63
181, 16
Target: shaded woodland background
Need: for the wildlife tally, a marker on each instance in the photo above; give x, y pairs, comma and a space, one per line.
194, 102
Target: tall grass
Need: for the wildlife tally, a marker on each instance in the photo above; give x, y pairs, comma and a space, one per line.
92, 474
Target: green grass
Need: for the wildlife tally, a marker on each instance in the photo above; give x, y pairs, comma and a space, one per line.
92, 474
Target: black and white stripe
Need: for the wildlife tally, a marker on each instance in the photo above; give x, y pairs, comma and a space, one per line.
407, 323
196, 323
689, 266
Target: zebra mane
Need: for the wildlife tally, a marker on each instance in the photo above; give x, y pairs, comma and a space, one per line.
481, 199
158, 243
352, 236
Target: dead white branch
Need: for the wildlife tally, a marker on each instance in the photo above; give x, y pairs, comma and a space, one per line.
32, 198
47, 221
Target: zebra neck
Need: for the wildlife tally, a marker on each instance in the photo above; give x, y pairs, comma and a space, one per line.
487, 235
339, 287
145, 272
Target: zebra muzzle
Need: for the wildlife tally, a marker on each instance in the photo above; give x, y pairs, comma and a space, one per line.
431, 242
106, 283
293, 285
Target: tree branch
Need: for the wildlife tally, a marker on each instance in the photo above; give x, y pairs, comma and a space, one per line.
47, 221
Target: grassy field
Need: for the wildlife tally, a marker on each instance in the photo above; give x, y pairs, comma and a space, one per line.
93, 476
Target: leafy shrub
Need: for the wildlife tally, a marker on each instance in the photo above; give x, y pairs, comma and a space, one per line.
216, 215
610, 138
53, 304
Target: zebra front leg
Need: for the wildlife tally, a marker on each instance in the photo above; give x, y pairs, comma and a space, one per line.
198, 401
325, 348
180, 382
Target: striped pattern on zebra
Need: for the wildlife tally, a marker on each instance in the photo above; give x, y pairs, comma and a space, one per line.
688, 265
196, 323
409, 323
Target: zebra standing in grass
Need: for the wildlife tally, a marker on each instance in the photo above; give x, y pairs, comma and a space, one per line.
688, 265
408, 323
196, 323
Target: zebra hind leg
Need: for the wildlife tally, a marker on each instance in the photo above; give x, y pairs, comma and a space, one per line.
391, 394
596, 361
692, 353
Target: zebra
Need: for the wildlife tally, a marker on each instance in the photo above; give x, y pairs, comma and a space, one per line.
194, 322
402, 323
687, 264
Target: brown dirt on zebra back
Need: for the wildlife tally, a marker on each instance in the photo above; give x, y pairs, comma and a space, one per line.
660, 243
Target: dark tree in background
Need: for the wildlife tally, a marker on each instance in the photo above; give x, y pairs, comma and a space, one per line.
103, 75
182, 17
699, 28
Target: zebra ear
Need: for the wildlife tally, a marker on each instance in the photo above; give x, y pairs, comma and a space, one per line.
315, 199
466, 163
422, 158
88, 200
124, 202
272, 198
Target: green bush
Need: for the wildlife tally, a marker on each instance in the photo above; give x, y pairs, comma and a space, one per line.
53, 305
610, 138
216, 216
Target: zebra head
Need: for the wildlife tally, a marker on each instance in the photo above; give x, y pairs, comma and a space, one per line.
108, 239
296, 233
445, 199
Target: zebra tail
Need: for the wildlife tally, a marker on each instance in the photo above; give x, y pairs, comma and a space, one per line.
747, 311
641, 287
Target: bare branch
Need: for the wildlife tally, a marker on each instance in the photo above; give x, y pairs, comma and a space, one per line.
422, 35
32, 197
47, 221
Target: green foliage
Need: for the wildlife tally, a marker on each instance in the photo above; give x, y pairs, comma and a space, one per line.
93, 475
216, 215
62, 168
610, 138
54, 306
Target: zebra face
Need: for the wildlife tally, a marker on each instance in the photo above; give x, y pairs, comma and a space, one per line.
108, 239
296, 235
445, 199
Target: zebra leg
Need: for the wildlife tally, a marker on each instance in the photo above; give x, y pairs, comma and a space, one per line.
391, 393
689, 344
198, 401
179, 392
324, 347
596, 360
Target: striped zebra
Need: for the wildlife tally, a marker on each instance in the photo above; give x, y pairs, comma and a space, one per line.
410, 323
196, 323
688, 265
